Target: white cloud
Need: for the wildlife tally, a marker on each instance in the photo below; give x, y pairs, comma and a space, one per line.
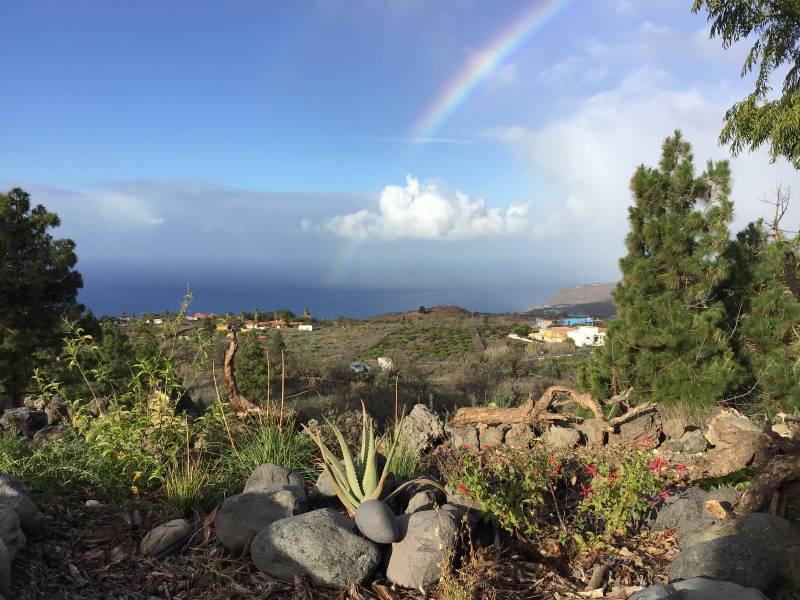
589, 155
418, 211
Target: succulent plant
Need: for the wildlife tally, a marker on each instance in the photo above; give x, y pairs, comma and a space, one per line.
355, 479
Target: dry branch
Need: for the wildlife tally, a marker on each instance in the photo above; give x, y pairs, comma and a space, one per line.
532, 412
238, 402
781, 470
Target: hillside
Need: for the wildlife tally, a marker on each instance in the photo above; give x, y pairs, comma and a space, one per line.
583, 294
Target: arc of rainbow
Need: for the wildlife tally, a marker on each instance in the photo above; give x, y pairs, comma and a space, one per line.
484, 64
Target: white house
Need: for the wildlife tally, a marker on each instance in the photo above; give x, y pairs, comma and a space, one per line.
305, 327
587, 336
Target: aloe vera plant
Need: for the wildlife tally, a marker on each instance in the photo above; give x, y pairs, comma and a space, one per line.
355, 479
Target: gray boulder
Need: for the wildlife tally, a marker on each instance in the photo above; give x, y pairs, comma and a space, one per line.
14, 494
424, 500
377, 522
49, 432
466, 503
242, 516
673, 428
267, 475
465, 436
23, 420
771, 531
323, 488
638, 430
322, 544
5, 570
561, 438
519, 435
163, 536
685, 510
728, 426
594, 432
491, 436
427, 541
733, 558
699, 588
690, 442
57, 411
421, 429
10, 531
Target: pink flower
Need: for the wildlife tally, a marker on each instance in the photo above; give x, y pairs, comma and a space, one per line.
665, 494
681, 467
658, 463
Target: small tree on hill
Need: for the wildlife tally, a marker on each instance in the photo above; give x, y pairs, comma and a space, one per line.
38, 287
668, 341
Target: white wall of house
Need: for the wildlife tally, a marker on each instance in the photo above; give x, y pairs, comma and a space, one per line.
305, 327
587, 336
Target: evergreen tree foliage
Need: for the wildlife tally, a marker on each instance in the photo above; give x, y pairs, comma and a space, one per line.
116, 355
669, 341
774, 28
764, 318
252, 374
38, 287
145, 342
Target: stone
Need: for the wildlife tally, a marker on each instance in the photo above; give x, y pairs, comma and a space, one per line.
789, 569
163, 536
57, 411
23, 420
771, 531
242, 516
424, 500
323, 488
465, 436
722, 461
783, 430
699, 588
267, 475
561, 438
421, 429
464, 502
685, 510
49, 432
727, 427
5, 570
639, 430
427, 541
322, 544
673, 428
519, 435
97, 406
377, 522
10, 531
14, 494
593, 431
690, 442
490, 437
733, 558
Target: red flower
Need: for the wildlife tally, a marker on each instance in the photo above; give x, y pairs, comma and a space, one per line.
585, 491
466, 447
463, 489
681, 467
647, 442
592, 470
551, 459
658, 463
613, 476
665, 494
486, 447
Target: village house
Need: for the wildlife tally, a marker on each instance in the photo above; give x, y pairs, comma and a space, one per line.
552, 335
588, 336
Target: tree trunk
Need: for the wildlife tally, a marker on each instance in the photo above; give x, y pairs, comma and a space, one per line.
238, 402
781, 470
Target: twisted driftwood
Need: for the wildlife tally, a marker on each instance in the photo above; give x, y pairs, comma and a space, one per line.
532, 412
239, 403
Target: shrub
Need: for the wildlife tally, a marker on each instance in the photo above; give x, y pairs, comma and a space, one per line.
187, 487
619, 495
510, 485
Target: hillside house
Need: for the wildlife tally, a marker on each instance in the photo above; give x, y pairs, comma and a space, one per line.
574, 320
305, 327
552, 335
588, 336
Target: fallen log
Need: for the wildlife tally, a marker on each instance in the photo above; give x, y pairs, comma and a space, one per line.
239, 403
781, 470
532, 412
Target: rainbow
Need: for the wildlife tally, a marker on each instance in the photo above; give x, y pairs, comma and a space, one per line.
484, 64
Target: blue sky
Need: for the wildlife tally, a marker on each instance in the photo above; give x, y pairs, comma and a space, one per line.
272, 143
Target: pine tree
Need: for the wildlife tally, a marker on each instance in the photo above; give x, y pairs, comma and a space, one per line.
764, 316
251, 368
669, 341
